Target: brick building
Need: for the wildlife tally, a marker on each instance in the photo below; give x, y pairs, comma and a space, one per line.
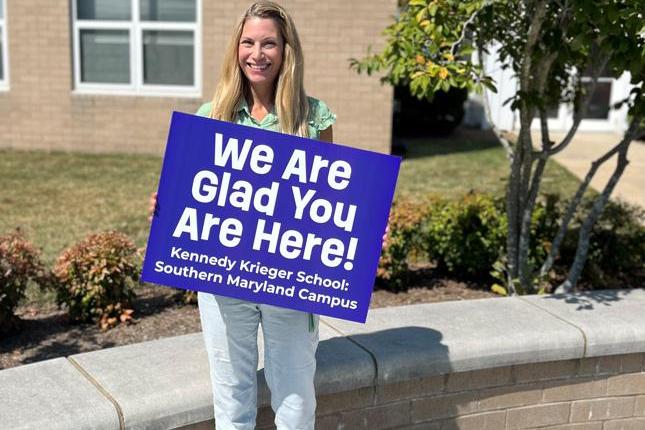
104, 75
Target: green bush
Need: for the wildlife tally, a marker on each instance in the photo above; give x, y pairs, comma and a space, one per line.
403, 240
616, 245
545, 222
95, 279
187, 297
466, 236
19, 264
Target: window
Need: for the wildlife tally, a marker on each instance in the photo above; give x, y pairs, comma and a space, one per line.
4, 61
599, 104
137, 46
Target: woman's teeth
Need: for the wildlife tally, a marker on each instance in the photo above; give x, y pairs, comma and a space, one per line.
258, 67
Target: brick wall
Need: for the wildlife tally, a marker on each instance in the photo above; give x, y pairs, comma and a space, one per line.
41, 111
605, 393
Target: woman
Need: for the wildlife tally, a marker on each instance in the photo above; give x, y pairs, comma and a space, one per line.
261, 85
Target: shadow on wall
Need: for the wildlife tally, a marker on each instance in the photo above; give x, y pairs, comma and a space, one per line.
398, 352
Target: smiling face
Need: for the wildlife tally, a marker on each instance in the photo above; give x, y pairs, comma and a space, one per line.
260, 52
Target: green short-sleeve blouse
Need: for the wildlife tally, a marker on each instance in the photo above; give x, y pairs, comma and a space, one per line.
320, 117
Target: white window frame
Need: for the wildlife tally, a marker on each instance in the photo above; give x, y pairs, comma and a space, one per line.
135, 28
4, 82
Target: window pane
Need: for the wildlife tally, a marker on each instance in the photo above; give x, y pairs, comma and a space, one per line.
105, 56
168, 10
552, 112
168, 57
604, 73
1, 10
104, 9
599, 104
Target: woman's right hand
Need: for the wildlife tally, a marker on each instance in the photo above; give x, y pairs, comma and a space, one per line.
152, 206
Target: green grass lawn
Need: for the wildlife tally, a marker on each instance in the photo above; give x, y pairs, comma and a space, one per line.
58, 198
468, 160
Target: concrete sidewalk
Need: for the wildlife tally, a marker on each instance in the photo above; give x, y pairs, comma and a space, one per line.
589, 146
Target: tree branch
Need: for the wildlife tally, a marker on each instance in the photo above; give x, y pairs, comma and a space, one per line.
581, 105
516, 198
571, 209
466, 24
573, 205
585, 231
531, 179
533, 36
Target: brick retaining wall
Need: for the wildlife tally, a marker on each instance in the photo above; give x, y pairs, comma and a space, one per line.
602, 393
570, 362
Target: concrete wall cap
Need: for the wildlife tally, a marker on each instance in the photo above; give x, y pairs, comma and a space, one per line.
613, 321
431, 339
52, 395
166, 384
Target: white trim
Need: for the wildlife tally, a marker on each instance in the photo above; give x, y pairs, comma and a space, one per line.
148, 92
4, 82
136, 57
135, 29
179, 26
103, 25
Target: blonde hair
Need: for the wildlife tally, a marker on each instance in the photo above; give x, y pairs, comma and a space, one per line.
291, 102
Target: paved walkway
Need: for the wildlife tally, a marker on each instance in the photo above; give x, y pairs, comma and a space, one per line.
587, 147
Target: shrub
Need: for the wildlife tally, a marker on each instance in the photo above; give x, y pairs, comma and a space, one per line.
466, 236
404, 238
616, 245
95, 279
19, 264
187, 297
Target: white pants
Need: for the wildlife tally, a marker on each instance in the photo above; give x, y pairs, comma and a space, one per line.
230, 328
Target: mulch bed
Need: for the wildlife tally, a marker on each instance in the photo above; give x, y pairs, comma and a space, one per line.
159, 313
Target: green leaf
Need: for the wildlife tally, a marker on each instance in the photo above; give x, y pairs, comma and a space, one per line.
498, 289
433, 9
489, 84
421, 15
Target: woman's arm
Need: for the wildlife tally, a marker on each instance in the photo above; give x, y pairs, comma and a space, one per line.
327, 135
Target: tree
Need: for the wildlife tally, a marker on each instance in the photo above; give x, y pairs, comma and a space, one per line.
547, 43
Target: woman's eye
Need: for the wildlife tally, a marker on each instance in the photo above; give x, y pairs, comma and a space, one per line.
247, 43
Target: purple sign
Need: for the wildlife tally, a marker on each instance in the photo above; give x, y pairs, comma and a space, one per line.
269, 217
